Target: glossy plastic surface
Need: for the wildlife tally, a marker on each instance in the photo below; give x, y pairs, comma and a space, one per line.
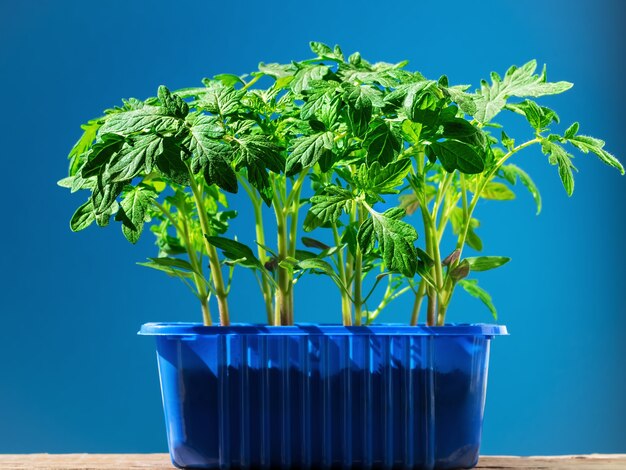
323, 396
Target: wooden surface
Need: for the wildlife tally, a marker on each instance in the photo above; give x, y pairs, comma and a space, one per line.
162, 462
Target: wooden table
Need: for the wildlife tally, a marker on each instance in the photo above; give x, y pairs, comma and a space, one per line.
162, 462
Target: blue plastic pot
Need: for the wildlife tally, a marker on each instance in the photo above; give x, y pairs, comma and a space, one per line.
323, 396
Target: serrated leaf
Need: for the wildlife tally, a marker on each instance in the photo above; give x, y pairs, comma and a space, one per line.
304, 76
497, 192
539, 117
308, 150
360, 106
376, 179
328, 206
395, 239
471, 287
258, 154
464, 100
170, 162
382, 143
456, 155
146, 119
212, 157
138, 155
222, 100
587, 144
100, 154
571, 131
134, 210
173, 104
558, 156
518, 81
485, 263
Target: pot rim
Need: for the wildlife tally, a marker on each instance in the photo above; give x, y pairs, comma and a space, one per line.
321, 329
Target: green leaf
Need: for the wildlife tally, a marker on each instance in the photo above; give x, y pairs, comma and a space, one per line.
83, 217
306, 75
497, 192
571, 131
484, 263
319, 265
277, 71
90, 132
471, 287
395, 240
134, 210
320, 95
138, 155
172, 266
212, 156
507, 141
359, 108
456, 155
170, 162
313, 243
587, 144
222, 100
236, 252
173, 104
155, 119
324, 52
327, 206
308, 150
412, 130
539, 117
464, 131
527, 182
382, 143
464, 100
376, 179
519, 82
558, 156
257, 153
100, 154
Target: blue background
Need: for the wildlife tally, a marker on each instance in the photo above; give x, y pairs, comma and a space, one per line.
75, 378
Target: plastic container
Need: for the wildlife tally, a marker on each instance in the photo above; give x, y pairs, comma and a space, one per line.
323, 396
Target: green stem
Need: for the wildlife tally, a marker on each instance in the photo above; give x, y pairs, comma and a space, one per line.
198, 280
214, 264
358, 272
449, 286
417, 304
346, 306
282, 302
266, 289
293, 210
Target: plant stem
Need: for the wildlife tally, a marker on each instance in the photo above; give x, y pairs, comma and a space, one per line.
417, 304
358, 271
214, 264
346, 306
282, 302
293, 209
448, 288
199, 281
266, 289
